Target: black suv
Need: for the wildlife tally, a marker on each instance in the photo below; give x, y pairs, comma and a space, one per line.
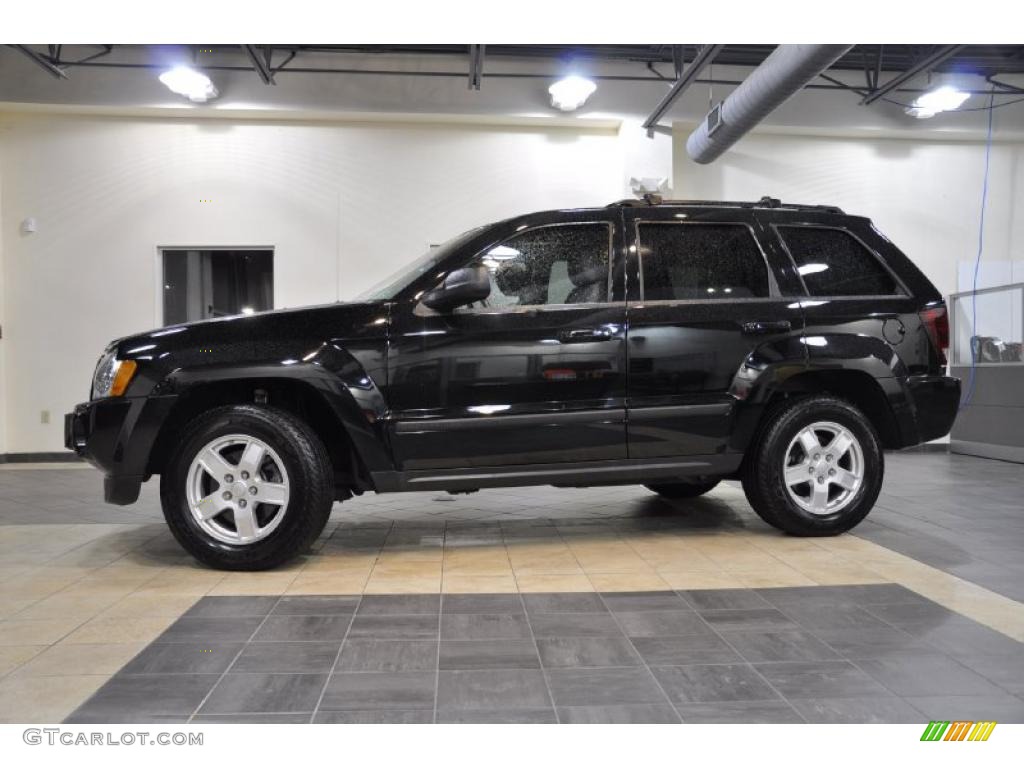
673, 344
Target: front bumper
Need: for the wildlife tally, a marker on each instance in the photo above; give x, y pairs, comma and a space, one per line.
116, 435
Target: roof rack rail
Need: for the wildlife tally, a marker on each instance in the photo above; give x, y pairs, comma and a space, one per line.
764, 202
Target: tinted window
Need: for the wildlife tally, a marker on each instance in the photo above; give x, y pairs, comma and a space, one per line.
565, 264
835, 263
701, 261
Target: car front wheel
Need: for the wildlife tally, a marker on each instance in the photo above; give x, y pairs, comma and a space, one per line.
817, 468
248, 488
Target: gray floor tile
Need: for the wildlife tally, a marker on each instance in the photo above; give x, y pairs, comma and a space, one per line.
228, 607
874, 709
252, 693
127, 697
389, 605
489, 654
780, 646
587, 687
480, 689
484, 626
574, 625
587, 652
1002, 709
395, 627
820, 680
388, 656
316, 605
285, 629
662, 623
706, 648
183, 658
1006, 671
877, 643
210, 630
828, 617
916, 674
632, 602
747, 619
379, 690
296, 658
482, 604
502, 716
374, 716
277, 718
564, 602
721, 599
913, 617
713, 682
738, 712
963, 637
620, 713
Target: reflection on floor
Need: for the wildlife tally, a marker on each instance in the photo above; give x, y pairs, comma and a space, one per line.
867, 653
84, 587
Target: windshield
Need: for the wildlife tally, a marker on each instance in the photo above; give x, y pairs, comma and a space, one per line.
395, 283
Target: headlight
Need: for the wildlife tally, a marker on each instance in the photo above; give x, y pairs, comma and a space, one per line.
112, 376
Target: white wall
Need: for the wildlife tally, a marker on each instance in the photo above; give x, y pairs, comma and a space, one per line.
924, 195
343, 206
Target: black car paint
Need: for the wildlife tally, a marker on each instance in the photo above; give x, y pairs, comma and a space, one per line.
644, 390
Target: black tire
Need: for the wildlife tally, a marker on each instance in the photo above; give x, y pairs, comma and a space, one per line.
682, 490
310, 481
763, 478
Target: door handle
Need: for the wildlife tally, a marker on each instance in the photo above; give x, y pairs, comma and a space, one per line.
587, 334
767, 326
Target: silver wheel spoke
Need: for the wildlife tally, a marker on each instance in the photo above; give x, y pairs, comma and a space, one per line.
819, 497
840, 445
798, 474
211, 506
245, 523
272, 493
846, 480
252, 457
214, 464
809, 441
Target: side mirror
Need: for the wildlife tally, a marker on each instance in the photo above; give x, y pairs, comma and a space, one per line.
460, 287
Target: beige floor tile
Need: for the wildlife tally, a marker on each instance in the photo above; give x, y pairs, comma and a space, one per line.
463, 583
479, 561
553, 582
700, 580
8, 608
385, 585
262, 583
329, 583
80, 659
743, 560
36, 631
13, 656
67, 605
841, 573
120, 630
628, 582
341, 561
45, 700
786, 577
136, 605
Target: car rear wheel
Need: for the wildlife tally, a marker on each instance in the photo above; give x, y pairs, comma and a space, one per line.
816, 469
682, 490
248, 488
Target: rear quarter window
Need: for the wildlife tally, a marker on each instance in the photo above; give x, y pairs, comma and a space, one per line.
832, 262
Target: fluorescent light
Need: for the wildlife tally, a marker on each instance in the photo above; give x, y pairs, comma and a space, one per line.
571, 92
187, 82
943, 99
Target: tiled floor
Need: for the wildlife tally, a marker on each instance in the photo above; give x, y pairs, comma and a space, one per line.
84, 587
868, 653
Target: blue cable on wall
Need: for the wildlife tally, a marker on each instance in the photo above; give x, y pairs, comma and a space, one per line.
981, 247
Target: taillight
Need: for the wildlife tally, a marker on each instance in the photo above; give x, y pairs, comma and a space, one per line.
936, 323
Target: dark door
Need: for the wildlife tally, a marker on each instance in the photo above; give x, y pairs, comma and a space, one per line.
533, 375
702, 300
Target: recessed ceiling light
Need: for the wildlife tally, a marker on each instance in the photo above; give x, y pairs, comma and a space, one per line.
943, 99
571, 92
187, 82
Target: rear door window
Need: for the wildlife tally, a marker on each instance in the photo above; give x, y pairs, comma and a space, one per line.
832, 262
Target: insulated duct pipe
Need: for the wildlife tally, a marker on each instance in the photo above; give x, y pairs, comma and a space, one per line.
786, 70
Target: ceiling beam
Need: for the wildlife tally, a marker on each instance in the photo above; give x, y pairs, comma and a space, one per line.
704, 56
260, 63
928, 62
42, 61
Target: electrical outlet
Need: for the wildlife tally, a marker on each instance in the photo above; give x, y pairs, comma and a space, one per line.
44, 417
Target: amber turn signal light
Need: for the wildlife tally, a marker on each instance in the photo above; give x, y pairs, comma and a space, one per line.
123, 377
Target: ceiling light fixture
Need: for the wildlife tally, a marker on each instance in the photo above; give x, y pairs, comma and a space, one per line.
187, 82
571, 92
943, 99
